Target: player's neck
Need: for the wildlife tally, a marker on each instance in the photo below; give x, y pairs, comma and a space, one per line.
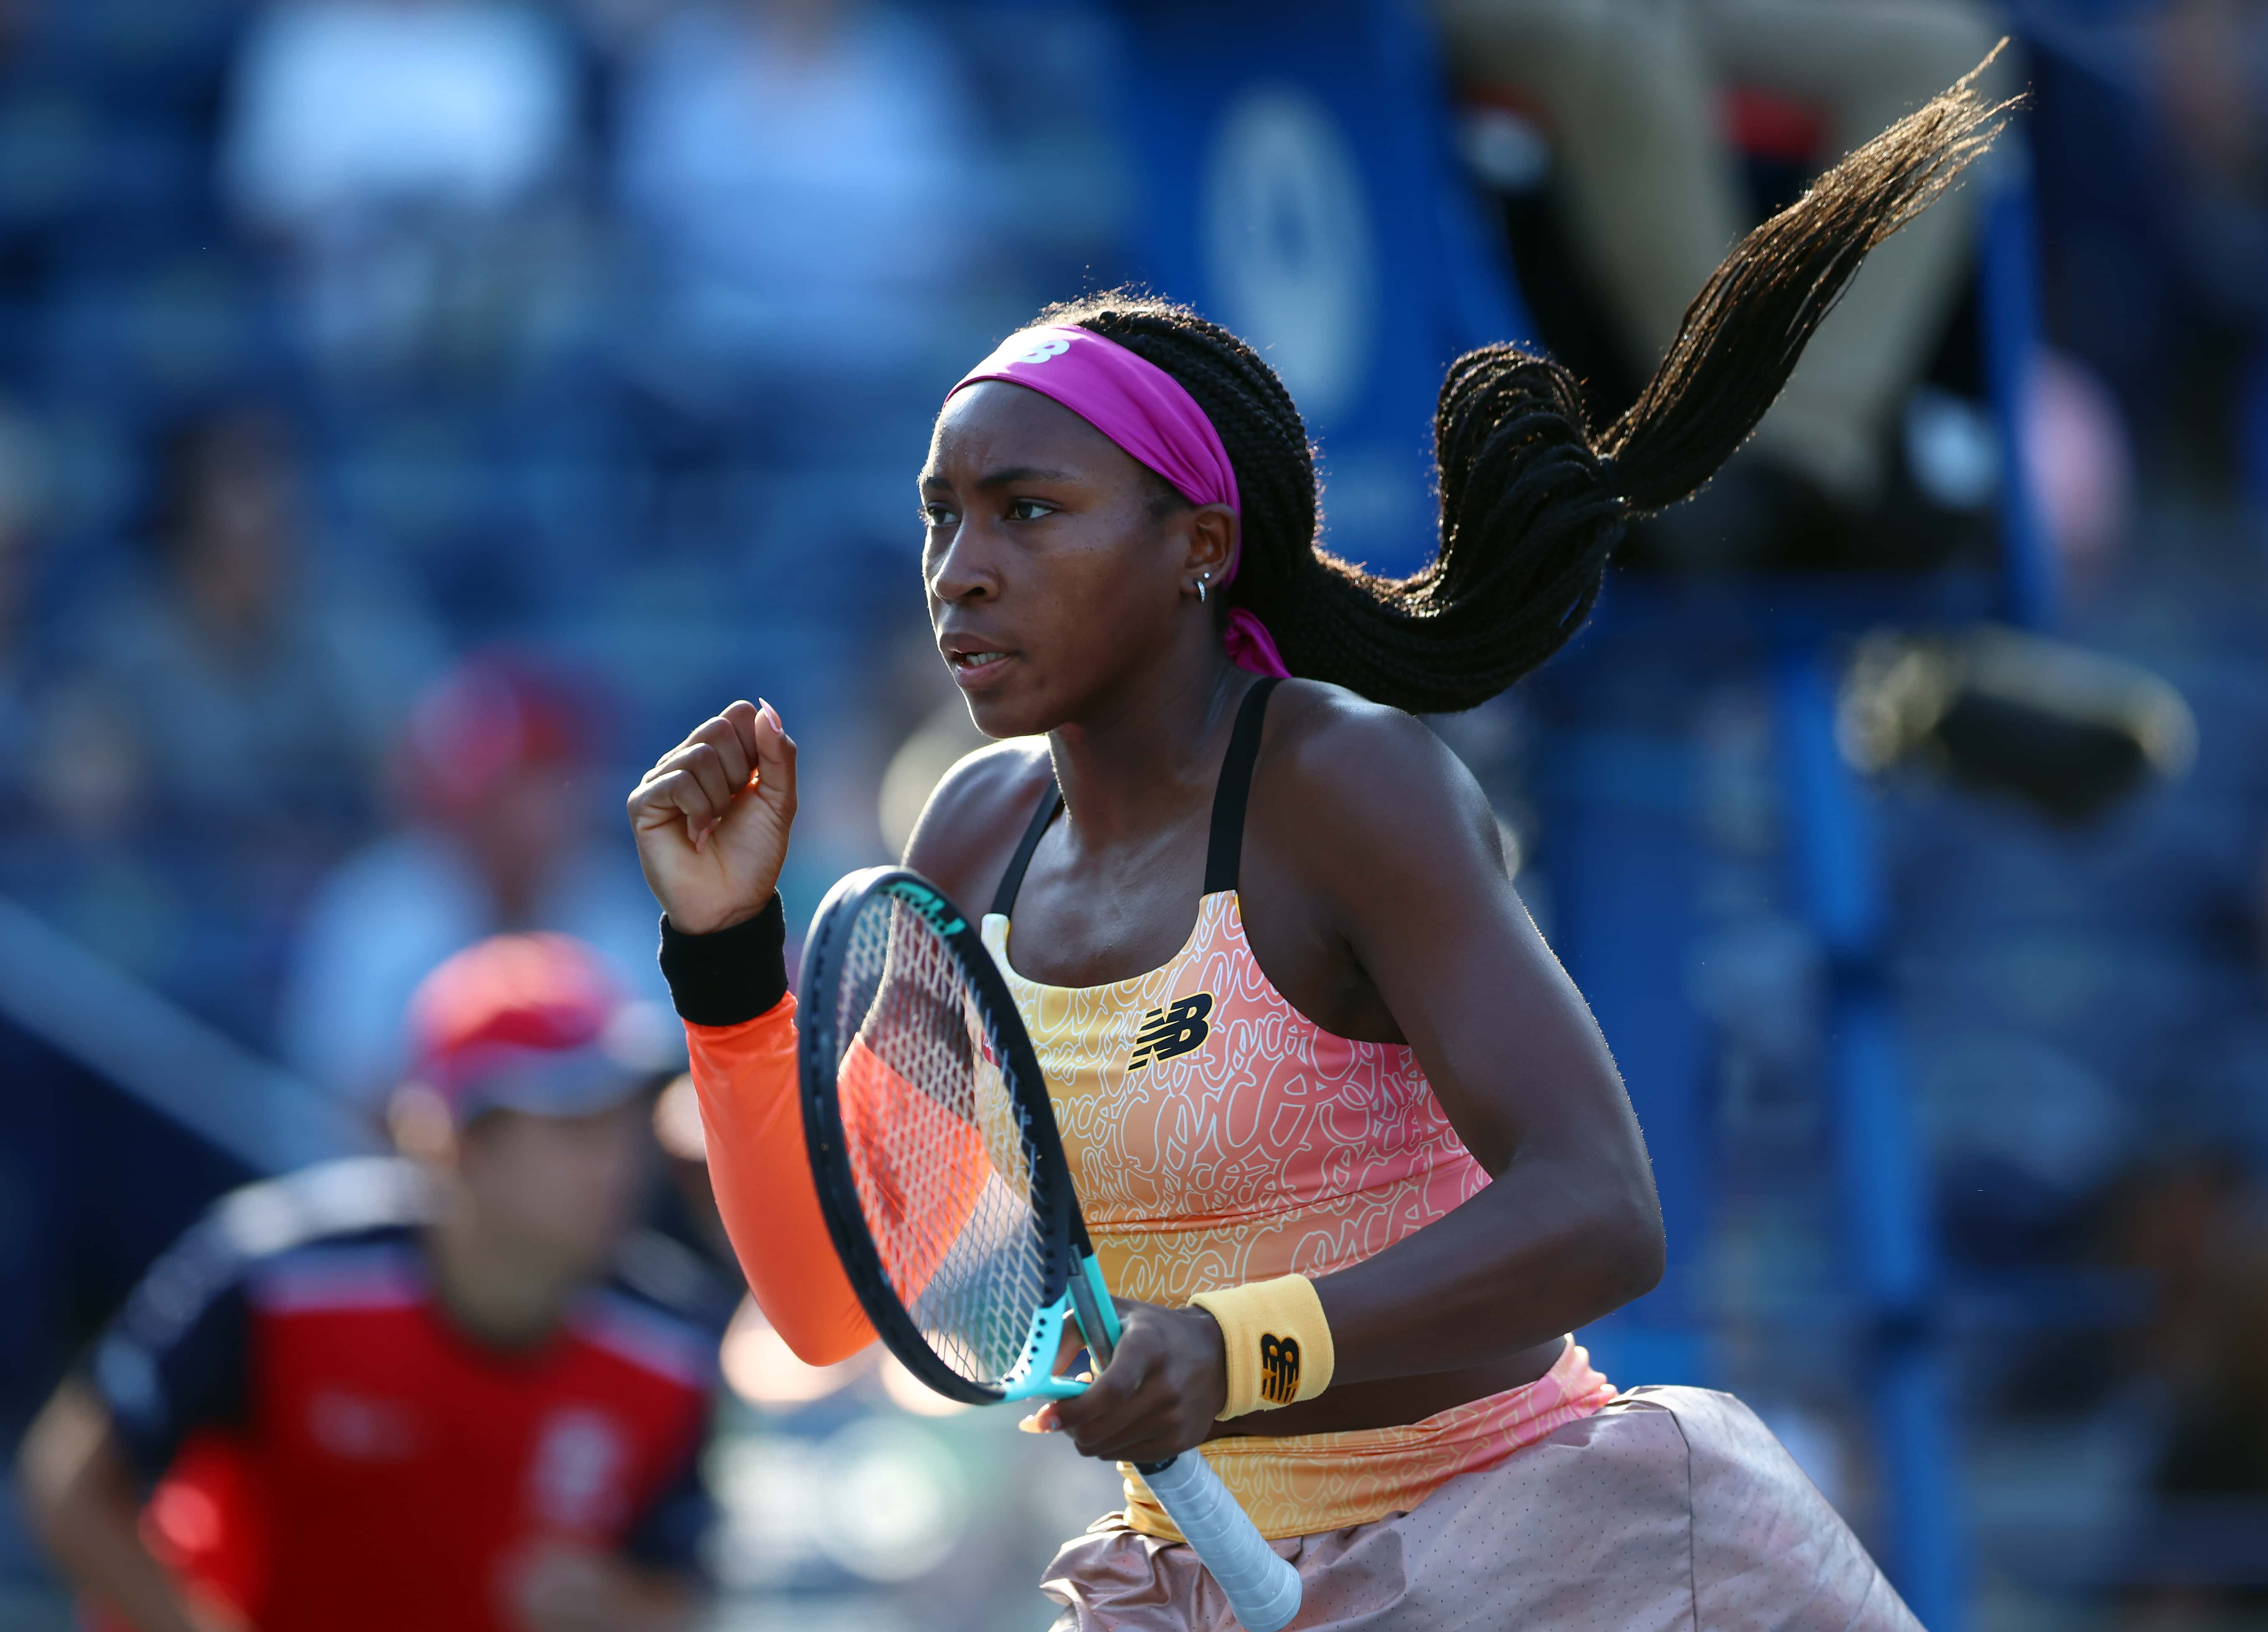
1151, 755
500, 1297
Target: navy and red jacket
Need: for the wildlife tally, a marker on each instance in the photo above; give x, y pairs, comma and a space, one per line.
331, 1453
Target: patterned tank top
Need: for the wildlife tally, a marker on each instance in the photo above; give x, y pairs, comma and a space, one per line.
1217, 1136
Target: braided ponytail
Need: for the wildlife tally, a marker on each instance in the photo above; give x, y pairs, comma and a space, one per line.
1531, 501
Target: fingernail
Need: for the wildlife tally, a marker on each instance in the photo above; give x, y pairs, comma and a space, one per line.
1031, 1424
768, 709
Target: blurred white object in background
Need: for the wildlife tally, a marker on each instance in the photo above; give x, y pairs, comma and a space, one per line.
1952, 448
909, 1392
762, 1370
804, 182
346, 105
1503, 146
677, 1121
894, 1502
409, 160
933, 748
882, 1498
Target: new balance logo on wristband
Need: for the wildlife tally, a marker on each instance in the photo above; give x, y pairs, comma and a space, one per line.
1279, 1369
1166, 1032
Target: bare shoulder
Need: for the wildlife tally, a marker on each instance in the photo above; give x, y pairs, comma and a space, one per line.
1347, 758
969, 827
1360, 779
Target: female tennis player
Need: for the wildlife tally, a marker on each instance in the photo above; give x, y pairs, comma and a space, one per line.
1348, 1142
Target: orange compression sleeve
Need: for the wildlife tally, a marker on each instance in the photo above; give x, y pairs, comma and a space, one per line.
745, 1075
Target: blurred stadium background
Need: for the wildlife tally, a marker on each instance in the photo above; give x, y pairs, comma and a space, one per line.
414, 414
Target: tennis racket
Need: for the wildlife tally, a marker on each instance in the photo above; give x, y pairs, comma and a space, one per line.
944, 1185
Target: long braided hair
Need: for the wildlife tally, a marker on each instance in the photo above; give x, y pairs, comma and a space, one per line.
1532, 501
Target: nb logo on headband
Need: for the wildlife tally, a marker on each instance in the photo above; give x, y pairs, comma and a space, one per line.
1054, 345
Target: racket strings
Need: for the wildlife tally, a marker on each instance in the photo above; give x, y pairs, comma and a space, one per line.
937, 1146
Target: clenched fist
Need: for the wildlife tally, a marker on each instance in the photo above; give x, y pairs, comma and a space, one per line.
711, 819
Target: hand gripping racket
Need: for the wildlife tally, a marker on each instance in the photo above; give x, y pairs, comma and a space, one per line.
945, 1188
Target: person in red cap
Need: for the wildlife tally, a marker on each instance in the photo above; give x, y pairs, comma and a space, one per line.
495, 777
449, 1390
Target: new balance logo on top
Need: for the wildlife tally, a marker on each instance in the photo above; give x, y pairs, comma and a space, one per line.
1279, 1369
1166, 1032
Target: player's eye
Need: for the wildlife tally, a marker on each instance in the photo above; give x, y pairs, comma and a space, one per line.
1028, 509
938, 516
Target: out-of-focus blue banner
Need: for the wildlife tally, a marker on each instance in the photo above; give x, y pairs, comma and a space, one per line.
1298, 186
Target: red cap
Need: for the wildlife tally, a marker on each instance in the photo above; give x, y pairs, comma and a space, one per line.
529, 1023
494, 715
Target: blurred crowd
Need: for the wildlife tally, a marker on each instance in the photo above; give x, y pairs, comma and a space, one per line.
344, 343
416, 414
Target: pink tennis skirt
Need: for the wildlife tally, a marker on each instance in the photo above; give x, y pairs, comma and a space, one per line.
1669, 1508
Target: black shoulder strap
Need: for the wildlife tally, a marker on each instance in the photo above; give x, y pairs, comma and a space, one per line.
1225, 853
1004, 899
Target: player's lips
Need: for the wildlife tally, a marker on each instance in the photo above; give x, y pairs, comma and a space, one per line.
975, 662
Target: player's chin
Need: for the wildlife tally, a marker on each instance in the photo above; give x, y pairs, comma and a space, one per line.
1015, 705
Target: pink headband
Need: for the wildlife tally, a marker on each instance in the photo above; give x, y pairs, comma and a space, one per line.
1146, 411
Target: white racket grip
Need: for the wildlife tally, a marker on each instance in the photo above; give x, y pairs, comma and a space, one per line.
1261, 1587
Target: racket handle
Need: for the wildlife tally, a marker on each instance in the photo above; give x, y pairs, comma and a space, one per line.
1261, 1587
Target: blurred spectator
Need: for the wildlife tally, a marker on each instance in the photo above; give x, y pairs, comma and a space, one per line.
402, 152
2212, 73
1634, 93
200, 751
805, 196
451, 1391
2193, 1227
497, 766
2151, 129
90, 861
242, 705
22, 484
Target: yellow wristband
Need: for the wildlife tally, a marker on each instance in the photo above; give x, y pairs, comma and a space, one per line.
1278, 1343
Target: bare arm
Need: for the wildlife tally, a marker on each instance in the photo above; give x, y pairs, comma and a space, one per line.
1406, 856
81, 1499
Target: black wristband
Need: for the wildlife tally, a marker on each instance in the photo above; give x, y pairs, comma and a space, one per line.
733, 975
